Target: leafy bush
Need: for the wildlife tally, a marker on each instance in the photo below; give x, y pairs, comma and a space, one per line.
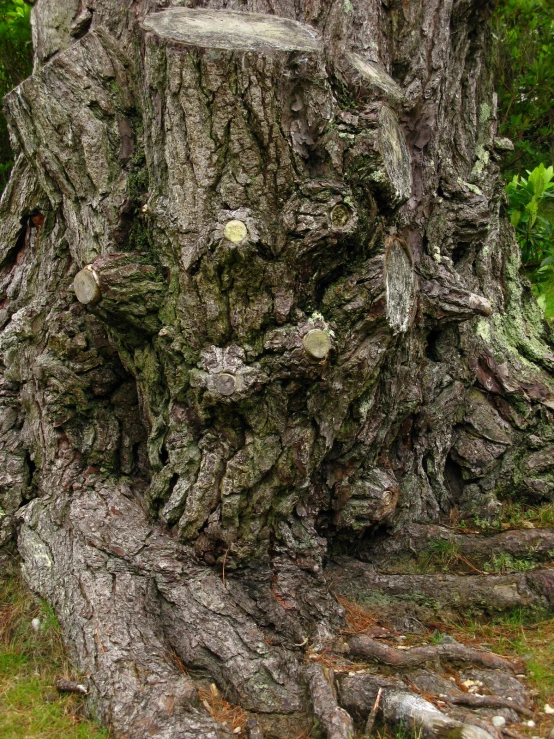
528, 199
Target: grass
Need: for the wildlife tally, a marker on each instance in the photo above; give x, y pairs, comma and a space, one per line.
400, 732
514, 514
30, 662
523, 633
441, 554
518, 515
504, 562
445, 556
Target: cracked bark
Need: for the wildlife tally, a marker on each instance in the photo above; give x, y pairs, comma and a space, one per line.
259, 300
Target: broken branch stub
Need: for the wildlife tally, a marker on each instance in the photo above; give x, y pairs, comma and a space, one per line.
396, 158
225, 383
372, 76
123, 285
400, 286
369, 498
227, 29
379, 157
86, 286
317, 344
235, 231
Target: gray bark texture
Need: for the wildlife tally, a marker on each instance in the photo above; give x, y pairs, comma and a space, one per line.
259, 306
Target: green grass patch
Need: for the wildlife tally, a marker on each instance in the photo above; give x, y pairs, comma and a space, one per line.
441, 555
517, 515
504, 562
30, 662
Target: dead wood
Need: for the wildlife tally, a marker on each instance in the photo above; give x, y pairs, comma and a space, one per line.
513, 733
413, 710
370, 723
69, 686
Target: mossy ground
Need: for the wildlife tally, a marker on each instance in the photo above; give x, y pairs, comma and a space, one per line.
30, 662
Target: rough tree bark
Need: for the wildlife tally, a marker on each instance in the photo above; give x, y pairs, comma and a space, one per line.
259, 303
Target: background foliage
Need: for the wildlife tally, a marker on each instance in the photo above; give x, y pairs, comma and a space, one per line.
524, 30
15, 65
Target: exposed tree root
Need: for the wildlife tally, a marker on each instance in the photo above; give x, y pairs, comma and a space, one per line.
334, 719
359, 692
419, 538
431, 697
134, 594
482, 592
96, 573
364, 646
108, 558
490, 701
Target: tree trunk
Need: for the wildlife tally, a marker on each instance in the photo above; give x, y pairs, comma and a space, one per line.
260, 305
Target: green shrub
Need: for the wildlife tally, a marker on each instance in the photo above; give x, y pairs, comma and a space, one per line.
527, 196
528, 199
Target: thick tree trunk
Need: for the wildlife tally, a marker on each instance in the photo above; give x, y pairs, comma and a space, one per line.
259, 303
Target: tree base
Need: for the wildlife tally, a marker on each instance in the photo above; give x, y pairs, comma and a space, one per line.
258, 298
148, 625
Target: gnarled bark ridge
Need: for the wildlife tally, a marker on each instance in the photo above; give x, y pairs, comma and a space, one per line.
259, 299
